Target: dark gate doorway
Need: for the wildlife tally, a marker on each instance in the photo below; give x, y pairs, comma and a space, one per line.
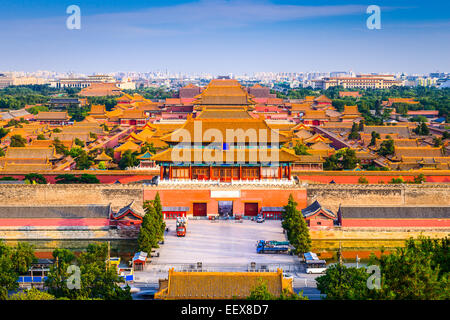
165, 173
225, 208
199, 210
251, 209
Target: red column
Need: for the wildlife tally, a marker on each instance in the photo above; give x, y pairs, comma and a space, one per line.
161, 172
170, 172
190, 172
240, 172
260, 172
289, 171
210, 173
280, 172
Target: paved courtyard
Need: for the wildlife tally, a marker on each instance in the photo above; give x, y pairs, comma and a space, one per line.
221, 243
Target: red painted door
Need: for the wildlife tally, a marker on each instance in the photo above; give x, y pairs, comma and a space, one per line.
251, 209
199, 209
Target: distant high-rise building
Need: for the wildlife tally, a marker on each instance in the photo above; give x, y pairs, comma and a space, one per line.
363, 81
82, 82
5, 80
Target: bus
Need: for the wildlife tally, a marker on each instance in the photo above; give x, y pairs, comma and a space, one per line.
314, 264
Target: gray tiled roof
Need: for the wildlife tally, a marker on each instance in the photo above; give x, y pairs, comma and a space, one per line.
64, 100
265, 209
55, 211
133, 206
181, 209
313, 208
399, 212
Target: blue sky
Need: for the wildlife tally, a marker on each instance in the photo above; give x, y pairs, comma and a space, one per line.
225, 36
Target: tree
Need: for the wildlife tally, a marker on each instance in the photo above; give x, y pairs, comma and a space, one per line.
301, 149
148, 147
361, 126
75, 151
128, 160
344, 158
437, 142
57, 276
60, 148
373, 140
78, 142
22, 257
83, 161
8, 178
8, 277
17, 141
363, 180
97, 279
296, 228
66, 178
422, 129
35, 109
32, 294
13, 262
88, 178
159, 215
40, 137
418, 119
35, 178
340, 282
386, 148
102, 165
420, 179
261, 292
402, 108
148, 233
419, 271
299, 235
3, 132
397, 181
386, 114
153, 225
354, 134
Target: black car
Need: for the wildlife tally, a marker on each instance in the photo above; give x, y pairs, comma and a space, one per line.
154, 181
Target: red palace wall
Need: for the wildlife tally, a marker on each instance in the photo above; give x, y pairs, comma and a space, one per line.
264, 198
320, 177
89, 222
104, 178
434, 223
347, 179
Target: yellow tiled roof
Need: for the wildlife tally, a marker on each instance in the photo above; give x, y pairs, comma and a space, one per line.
129, 145
103, 157
315, 114
250, 126
417, 152
220, 285
228, 156
30, 153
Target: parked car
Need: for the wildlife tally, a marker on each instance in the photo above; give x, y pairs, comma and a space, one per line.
260, 219
154, 181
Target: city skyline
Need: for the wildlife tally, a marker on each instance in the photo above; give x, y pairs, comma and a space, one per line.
222, 37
